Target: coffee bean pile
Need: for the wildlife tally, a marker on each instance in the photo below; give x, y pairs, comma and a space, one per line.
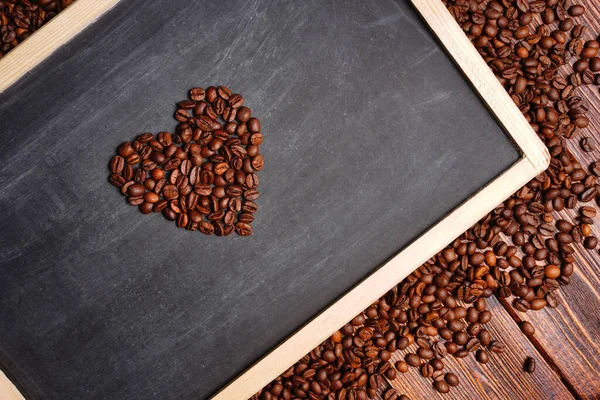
204, 177
20, 18
521, 252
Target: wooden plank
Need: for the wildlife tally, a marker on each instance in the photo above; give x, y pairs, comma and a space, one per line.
50, 37
501, 378
569, 335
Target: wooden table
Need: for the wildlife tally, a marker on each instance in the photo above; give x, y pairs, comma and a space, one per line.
566, 345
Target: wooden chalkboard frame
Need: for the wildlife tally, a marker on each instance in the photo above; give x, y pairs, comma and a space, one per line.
534, 160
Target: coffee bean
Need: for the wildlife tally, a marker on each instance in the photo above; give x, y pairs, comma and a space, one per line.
116, 180
496, 347
243, 229
552, 271
589, 212
251, 194
426, 370
136, 190
206, 227
588, 195
441, 386
529, 365
527, 328
390, 394
412, 359
197, 94
236, 101
588, 144
482, 356
253, 125
402, 366
590, 242
224, 92
576, 10
451, 379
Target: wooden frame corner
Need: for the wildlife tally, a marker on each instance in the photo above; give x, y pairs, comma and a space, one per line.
58, 31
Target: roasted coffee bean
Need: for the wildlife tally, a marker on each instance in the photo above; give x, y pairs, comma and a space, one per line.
426, 370
496, 347
482, 356
595, 168
136, 190
527, 328
390, 394
243, 229
590, 242
251, 194
402, 366
236, 101
206, 227
412, 359
589, 212
588, 195
117, 163
529, 365
441, 386
576, 10
588, 144
246, 218
197, 94
223, 92
116, 180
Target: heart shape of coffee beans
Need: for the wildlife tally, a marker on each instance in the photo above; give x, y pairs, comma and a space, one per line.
204, 175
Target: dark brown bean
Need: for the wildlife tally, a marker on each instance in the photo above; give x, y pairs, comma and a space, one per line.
529, 365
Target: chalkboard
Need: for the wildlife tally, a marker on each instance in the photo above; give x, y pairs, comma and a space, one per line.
372, 135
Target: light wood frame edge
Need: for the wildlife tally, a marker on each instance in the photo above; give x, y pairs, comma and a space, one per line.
62, 28
481, 76
26, 56
8, 391
377, 284
535, 160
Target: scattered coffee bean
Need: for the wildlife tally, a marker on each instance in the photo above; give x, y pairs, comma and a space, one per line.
590, 242
533, 255
451, 379
588, 144
441, 386
527, 328
529, 365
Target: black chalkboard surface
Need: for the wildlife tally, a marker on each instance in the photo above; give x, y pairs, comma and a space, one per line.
371, 136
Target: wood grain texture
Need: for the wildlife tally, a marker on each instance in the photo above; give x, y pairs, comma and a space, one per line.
567, 341
569, 336
50, 37
500, 379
